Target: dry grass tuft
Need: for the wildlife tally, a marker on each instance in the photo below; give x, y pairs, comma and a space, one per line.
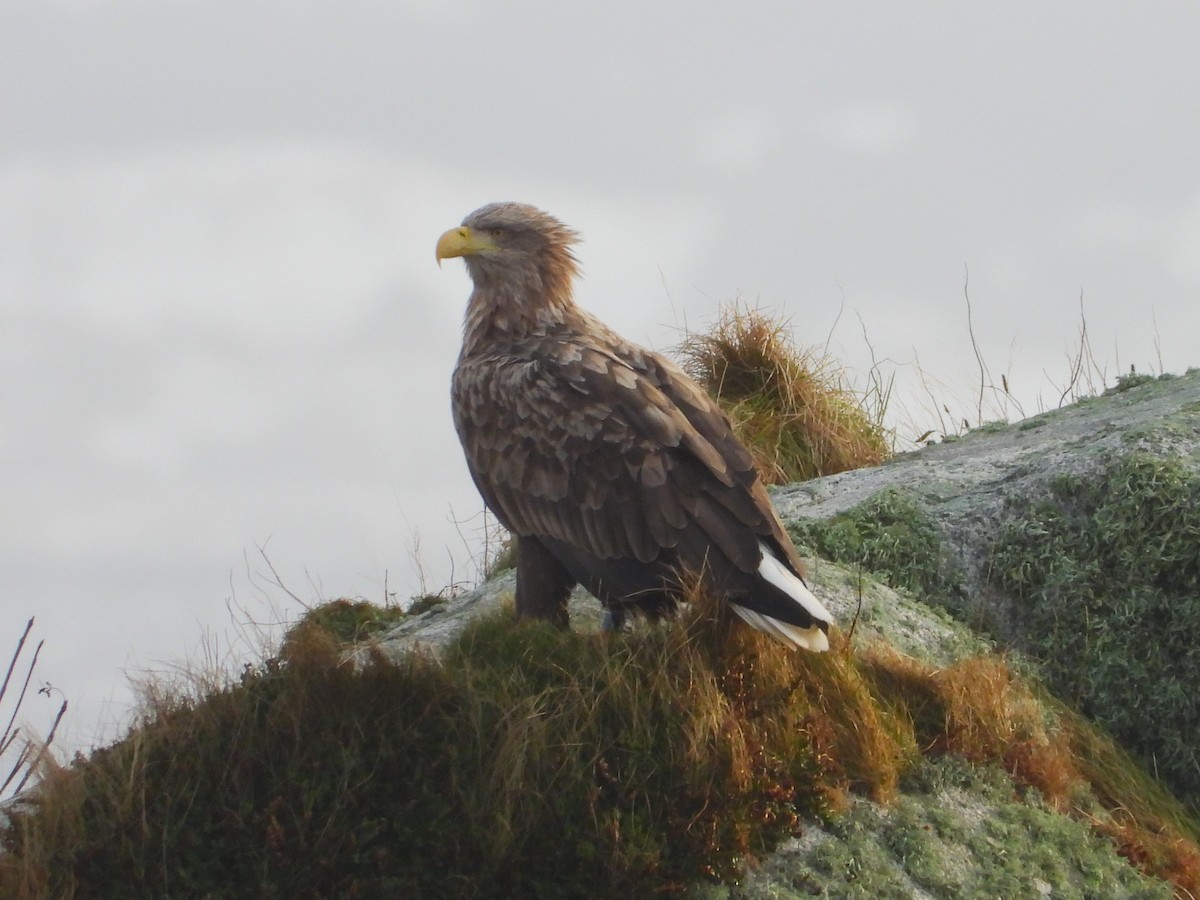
990, 715
791, 409
857, 743
980, 710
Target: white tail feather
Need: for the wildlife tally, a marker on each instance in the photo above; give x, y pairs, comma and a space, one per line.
776, 573
793, 636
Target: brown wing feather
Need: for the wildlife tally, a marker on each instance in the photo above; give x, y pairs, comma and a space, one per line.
752, 507
610, 448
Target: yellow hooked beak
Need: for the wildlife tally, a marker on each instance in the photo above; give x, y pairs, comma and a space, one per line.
462, 241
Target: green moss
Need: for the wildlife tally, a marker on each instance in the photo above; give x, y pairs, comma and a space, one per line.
957, 831
425, 603
1128, 381
1107, 571
990, 427
351, 620
890, 535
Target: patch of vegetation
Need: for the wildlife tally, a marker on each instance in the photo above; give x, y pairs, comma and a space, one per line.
1129, 380
424, 603
959, 832
1107, 570
528, 762
347, 620
890, 535
536, 762
792, 410
504, 559
979, 710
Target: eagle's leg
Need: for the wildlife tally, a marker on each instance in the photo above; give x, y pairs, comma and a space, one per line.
614, 619
543, 584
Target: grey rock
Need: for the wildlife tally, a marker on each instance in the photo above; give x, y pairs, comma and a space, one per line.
967, 484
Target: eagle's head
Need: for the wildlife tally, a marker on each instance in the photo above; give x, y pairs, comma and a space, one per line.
514, 248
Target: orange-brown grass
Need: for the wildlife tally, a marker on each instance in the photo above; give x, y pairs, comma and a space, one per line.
992, 715
792, 409
858, 742
978, 709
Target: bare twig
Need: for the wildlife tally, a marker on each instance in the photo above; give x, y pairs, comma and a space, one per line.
13, 662
1157, 343
32, 751
276, 580
1083, 370
836, 319
25, 685
937, 408
857, 611
985, 376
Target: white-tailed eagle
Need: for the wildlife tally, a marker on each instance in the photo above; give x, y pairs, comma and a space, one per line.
610, 466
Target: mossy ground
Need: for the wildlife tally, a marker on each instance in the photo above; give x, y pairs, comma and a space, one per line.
532, 762
526, 762
1104, 569
893, 537
1108, 570
1107, 573
956, 831
352, 620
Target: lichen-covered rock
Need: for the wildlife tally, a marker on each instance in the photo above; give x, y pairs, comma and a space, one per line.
957, 831
1073, 536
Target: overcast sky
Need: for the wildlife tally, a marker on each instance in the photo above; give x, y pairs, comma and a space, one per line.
222, 328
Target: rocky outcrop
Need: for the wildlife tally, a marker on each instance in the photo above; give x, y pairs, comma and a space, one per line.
1065, 535
1073, 536
970, 485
